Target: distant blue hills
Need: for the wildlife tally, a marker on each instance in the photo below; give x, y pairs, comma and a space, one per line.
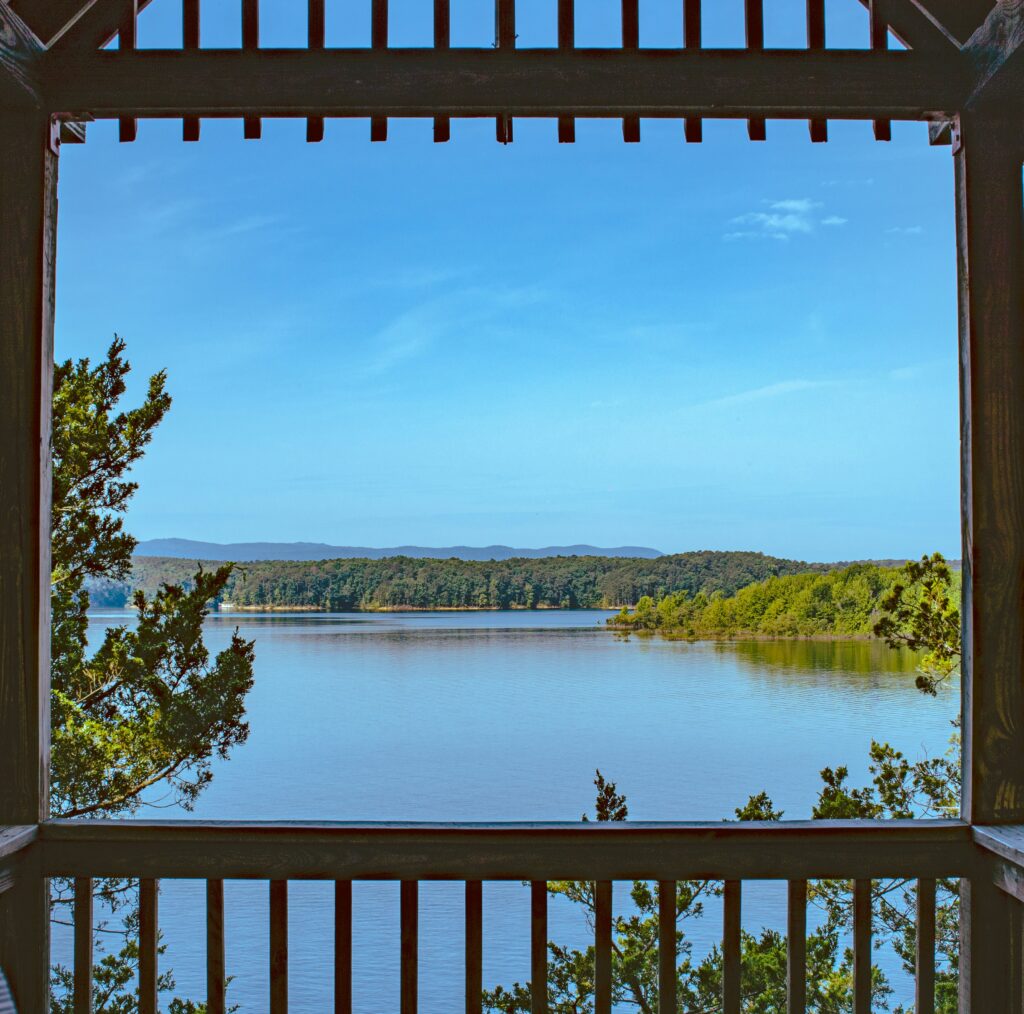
241, 552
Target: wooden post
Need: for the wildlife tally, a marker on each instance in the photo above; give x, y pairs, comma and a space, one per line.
28, 219
990, 262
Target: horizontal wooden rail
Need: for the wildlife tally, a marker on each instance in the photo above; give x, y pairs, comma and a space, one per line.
536, 852
839, 84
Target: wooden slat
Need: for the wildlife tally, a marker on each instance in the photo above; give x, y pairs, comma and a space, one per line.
566, 42
862, 946
693, 129
442, 40
83, 945
316, 38
504, 38
278, 947
127, 36
474, 947
879, 40
216, 980
603, 947
667, 947
28, 225
343, 947
539, 947
796, 948
252, 128
379, 41
924, 990
773, 83
148, 938
754, 19
731, 901
631, 40
573, 851
190, 40
816, 41
410, 946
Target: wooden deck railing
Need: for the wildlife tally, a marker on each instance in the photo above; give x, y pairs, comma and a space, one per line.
859, 851
989, 861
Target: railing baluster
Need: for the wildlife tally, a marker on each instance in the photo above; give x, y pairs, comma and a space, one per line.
379, 40
631, 40
410, 945
215, 981
252, 127
566, 40
147, 945
754, 19
796, 948
442, 40
924, 992
474, 947
667, 946
343, 947
539, 947
504, 38
693, 128
278, 946
816, 40
316, 30
83, 945
879, 40
190, 40
603, 947
127, 39
862, 947
731, 902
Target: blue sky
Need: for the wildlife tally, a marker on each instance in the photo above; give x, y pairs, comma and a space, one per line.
728, 345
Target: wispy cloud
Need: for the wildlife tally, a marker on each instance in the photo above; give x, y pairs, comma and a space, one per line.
779, 389
784, 219
904, 230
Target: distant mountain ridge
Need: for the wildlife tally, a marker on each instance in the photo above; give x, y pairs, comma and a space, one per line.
244, 552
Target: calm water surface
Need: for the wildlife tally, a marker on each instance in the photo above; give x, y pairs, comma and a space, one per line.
505, 716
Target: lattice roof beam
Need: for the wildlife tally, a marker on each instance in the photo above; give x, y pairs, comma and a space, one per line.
95, 27
775, 84
50, 19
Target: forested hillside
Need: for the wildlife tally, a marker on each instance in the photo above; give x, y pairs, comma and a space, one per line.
401, 582
841, 603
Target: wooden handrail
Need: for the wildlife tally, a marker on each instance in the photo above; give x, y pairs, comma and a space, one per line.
630, 851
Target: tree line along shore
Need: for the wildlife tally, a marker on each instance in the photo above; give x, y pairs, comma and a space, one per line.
687, 594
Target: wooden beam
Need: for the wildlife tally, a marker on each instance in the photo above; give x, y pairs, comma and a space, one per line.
95, 26
20, 53
50, 19
843, 84
957, 18
28, 225
913, 27
990, 260
990, 265
996, 53
721, 851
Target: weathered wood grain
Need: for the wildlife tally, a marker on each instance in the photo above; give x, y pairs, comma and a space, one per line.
19, 62
28, 223
773, 83
996, 54
719, 851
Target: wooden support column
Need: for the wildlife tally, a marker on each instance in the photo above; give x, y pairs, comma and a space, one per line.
28, 218
990, 264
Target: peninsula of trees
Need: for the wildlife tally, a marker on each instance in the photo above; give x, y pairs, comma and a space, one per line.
561, 582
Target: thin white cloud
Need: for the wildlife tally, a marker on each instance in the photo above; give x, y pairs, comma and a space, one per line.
779, 389
783, 219
905, 230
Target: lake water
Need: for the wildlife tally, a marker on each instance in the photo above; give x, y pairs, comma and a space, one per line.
505, 716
